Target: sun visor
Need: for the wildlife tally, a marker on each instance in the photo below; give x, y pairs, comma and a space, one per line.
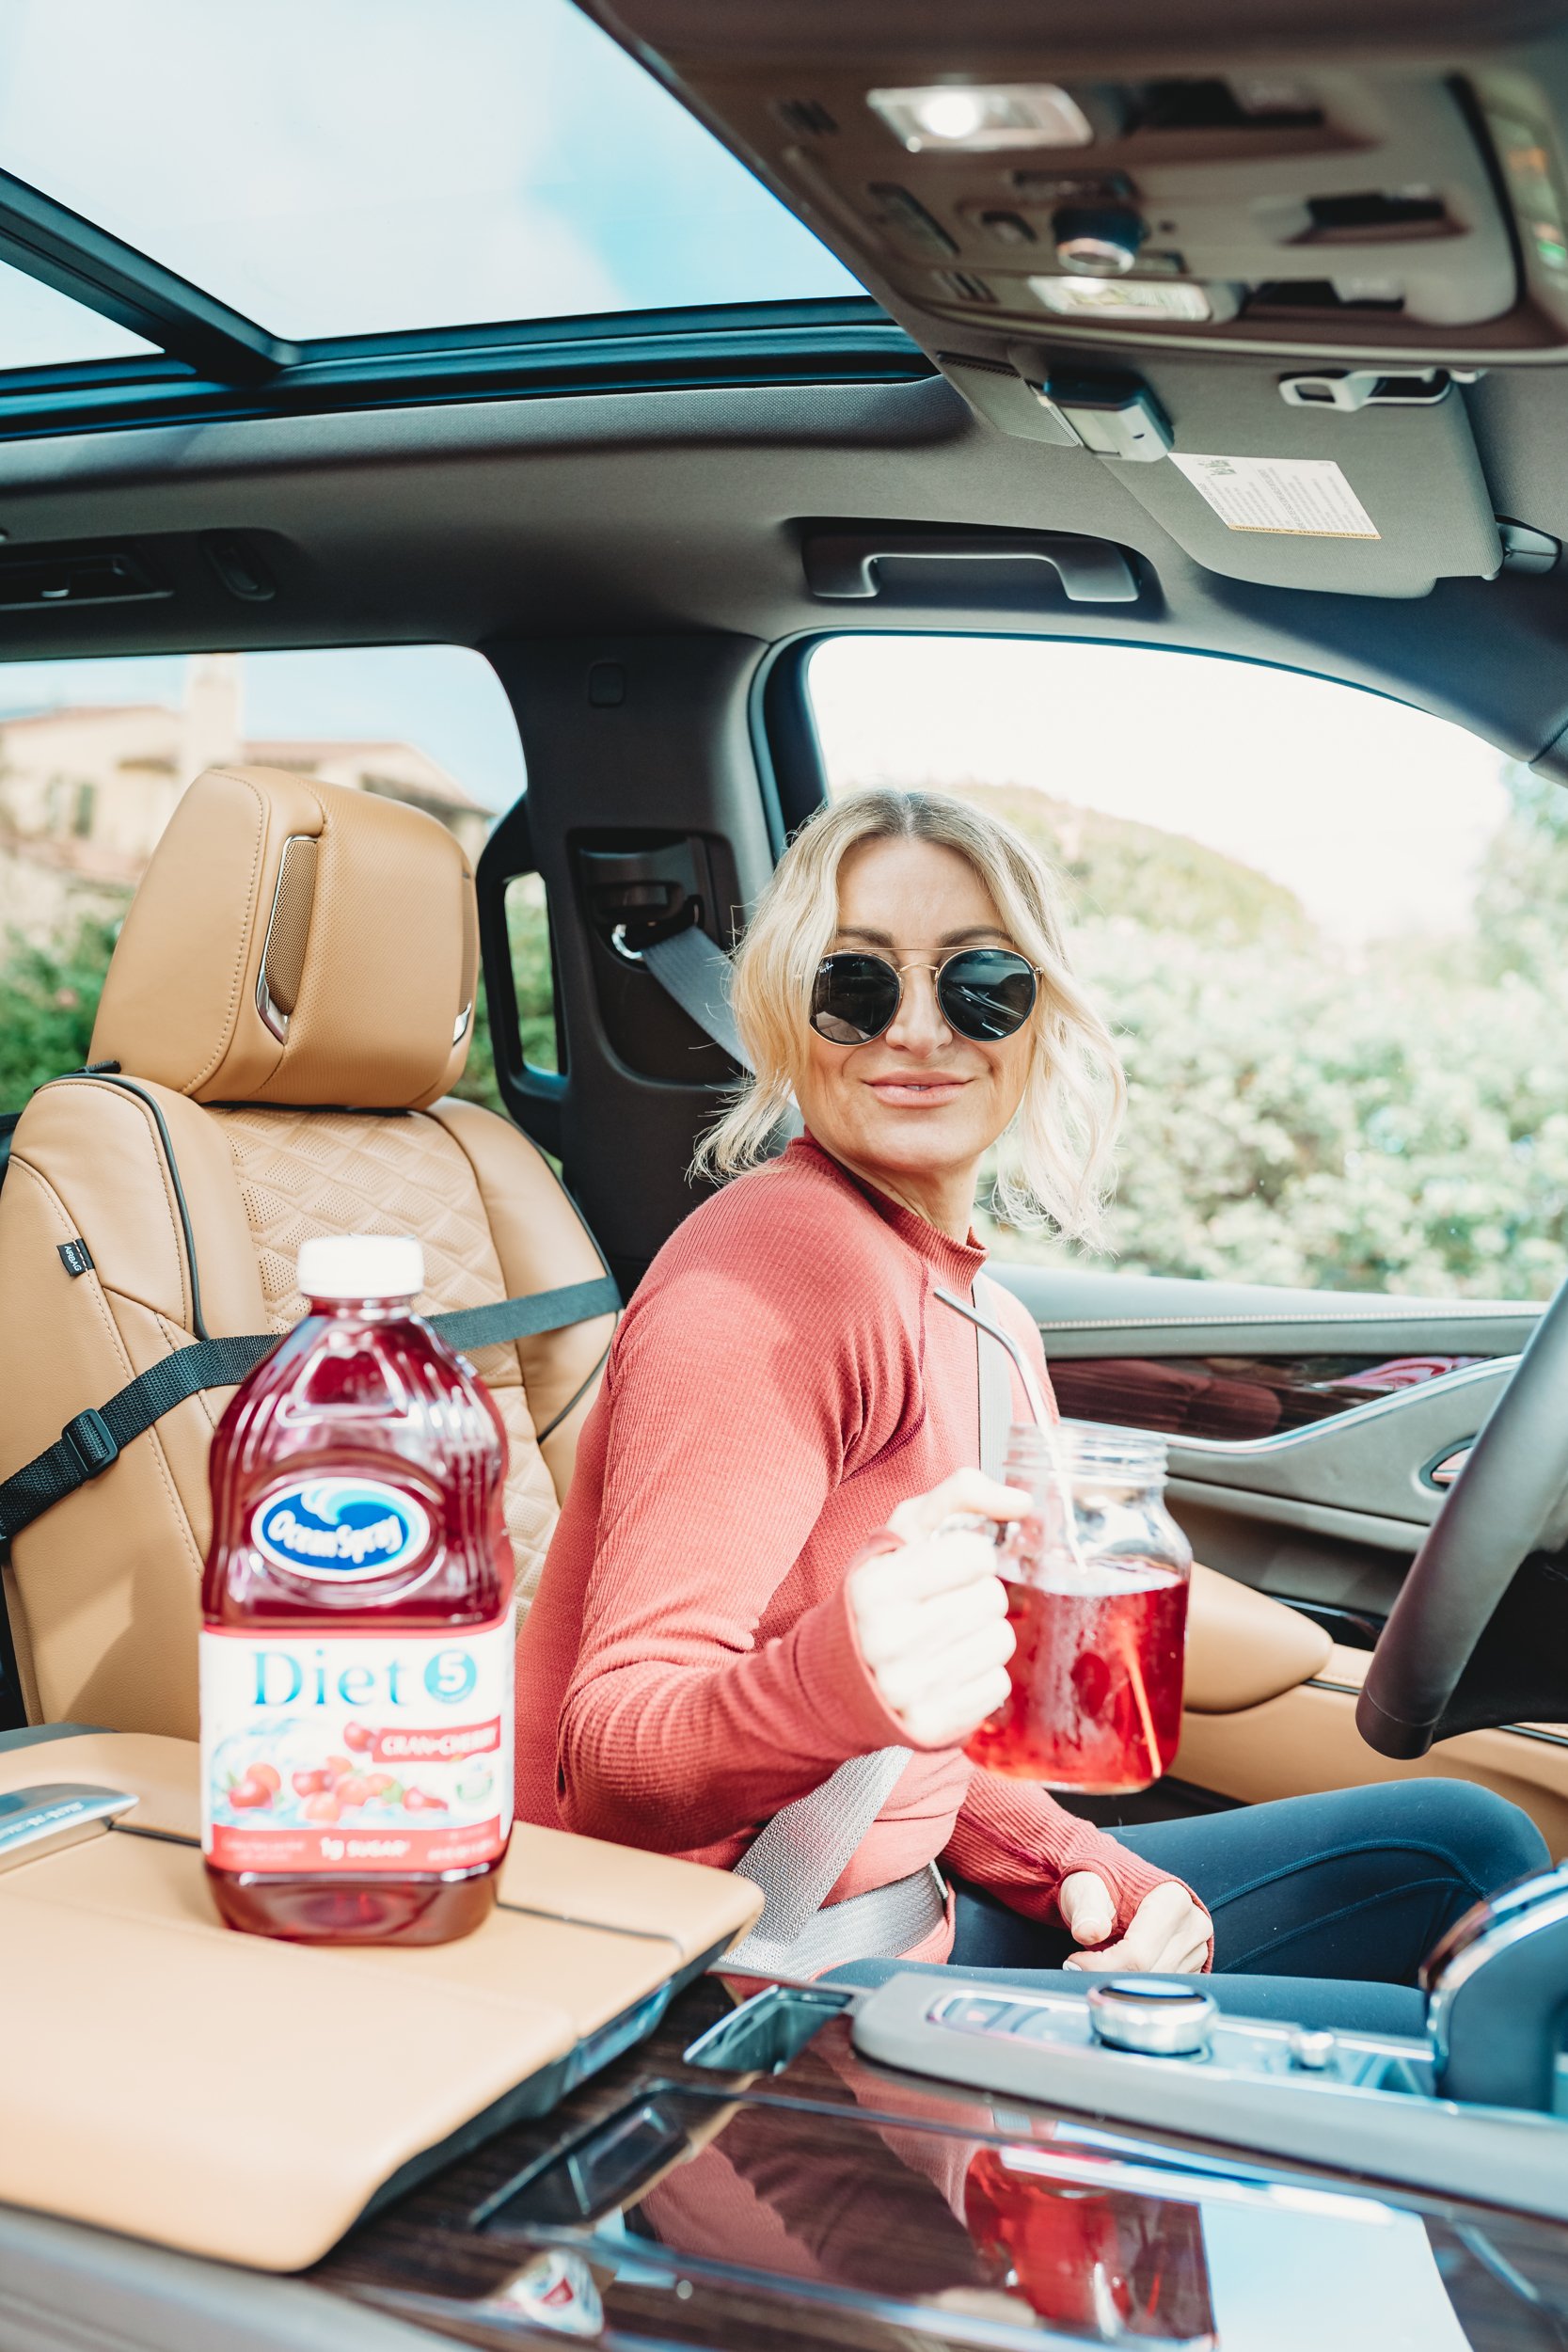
1355, 484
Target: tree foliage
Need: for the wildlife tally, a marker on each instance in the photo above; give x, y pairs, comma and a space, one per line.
1392, 1119
48, 997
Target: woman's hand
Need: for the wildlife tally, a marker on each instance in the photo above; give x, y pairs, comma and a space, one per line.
931, 1617
1169, 1934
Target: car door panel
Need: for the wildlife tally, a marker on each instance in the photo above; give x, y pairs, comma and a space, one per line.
1326, 1514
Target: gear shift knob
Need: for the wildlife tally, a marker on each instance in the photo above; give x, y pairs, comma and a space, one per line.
1497, 1996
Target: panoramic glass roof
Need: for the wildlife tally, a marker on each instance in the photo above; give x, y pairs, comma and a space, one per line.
337, 168
41, 328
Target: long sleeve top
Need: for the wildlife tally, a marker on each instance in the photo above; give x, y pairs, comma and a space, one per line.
782, 1379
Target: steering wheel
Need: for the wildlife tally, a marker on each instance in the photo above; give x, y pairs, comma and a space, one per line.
1493, 1515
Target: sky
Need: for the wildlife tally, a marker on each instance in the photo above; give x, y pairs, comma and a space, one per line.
444, 698
349, 166
1376, 814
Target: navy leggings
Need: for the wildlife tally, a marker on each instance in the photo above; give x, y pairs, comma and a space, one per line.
1325, 1907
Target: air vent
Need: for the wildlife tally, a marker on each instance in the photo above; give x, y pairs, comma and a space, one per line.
75, 576
1216, 105
1376, 217
1318, 294
963, 286
806, 116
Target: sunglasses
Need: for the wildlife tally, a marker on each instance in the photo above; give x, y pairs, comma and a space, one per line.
985, 994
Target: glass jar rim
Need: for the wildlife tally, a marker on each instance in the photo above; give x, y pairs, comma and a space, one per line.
1109, 1449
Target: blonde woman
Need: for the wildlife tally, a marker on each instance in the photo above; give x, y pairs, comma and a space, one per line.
747, 1589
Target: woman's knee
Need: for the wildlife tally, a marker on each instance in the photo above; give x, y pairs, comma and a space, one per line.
1489, 1840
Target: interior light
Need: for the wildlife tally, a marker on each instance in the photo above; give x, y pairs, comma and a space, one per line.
1123, 298
968, 118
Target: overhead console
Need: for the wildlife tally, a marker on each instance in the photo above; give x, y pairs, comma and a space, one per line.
1280, 200
1076, 228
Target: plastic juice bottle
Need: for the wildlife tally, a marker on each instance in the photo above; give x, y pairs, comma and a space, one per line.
356, 1642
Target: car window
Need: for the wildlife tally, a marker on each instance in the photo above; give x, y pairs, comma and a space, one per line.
1325, 926
94, 756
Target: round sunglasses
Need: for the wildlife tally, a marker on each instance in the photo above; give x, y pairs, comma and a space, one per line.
985, 994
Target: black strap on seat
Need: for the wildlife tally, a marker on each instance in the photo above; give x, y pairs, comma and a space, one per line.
88, 1444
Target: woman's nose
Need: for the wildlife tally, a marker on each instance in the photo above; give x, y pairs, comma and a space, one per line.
918, 1026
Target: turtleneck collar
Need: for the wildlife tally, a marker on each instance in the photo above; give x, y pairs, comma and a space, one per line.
953, 1263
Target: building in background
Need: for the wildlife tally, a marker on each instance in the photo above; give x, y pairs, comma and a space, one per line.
85, 792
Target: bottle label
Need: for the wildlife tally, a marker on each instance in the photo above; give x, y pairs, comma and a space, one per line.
356, 1751
342, 1530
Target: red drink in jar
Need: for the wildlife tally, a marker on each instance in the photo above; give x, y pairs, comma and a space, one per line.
357, 1642
1097, 1580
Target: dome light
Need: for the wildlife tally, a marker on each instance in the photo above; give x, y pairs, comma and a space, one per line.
965, 118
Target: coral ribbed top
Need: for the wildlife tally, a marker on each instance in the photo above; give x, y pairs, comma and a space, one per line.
782, 1379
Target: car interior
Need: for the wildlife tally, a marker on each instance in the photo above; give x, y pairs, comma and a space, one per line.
1232, 332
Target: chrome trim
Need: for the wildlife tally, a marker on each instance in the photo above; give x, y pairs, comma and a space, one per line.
52, 1815
1507, 1920
1156, 2020
274, 1020
1296, 1441
1445, 1472
460, 1028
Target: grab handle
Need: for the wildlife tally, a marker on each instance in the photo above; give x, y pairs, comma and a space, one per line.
841, 564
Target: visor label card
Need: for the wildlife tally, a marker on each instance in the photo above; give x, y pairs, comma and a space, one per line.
1304, 497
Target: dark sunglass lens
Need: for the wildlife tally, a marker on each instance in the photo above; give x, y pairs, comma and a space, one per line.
854, 998
988, 993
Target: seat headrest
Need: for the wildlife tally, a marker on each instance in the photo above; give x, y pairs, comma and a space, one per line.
295, 942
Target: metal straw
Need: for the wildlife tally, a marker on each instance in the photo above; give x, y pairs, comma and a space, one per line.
1038, 1410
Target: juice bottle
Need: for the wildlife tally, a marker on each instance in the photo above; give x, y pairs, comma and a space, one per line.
1098, 1614
357, 1642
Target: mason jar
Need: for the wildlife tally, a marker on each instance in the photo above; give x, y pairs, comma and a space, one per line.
1097, 1577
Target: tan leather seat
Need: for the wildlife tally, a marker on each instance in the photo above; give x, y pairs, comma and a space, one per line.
290, 1002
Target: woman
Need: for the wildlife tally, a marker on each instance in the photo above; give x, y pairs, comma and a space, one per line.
748, 1586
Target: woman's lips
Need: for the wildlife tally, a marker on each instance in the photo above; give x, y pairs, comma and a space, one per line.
919, 1094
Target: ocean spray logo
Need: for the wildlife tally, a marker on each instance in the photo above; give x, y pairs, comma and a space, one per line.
346, 1530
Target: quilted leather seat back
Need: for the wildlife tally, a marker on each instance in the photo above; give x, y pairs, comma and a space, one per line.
192, 1213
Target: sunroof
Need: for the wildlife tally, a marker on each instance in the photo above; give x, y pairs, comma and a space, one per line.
41, 328
337, 168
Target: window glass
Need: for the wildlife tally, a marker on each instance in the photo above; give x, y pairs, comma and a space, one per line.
1326, 928
337, 168
41, 328
94, 756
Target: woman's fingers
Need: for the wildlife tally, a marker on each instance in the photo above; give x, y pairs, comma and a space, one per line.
1169, 1937
967, 1492
932, 1564
895, 1627
947, 1715
946, 1667
1087, 1911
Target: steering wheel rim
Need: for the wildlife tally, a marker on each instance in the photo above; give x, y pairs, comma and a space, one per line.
1491, 1519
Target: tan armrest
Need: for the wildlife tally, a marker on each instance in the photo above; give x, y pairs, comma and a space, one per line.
1242, 1647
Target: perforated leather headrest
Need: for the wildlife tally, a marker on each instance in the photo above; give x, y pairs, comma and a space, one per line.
293, 941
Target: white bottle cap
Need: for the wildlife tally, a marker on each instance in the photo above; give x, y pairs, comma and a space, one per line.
361, 1266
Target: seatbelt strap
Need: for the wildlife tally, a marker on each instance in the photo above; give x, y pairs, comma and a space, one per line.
97, 1438
802, 1853
696, 974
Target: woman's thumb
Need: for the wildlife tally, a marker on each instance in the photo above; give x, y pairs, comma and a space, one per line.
1085, 1902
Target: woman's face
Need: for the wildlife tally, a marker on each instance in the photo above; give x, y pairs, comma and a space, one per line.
918, 1105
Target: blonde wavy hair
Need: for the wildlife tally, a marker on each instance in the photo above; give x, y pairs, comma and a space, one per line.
1054, 1160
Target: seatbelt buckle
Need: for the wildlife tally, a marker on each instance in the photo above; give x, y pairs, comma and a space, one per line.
92, 1441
